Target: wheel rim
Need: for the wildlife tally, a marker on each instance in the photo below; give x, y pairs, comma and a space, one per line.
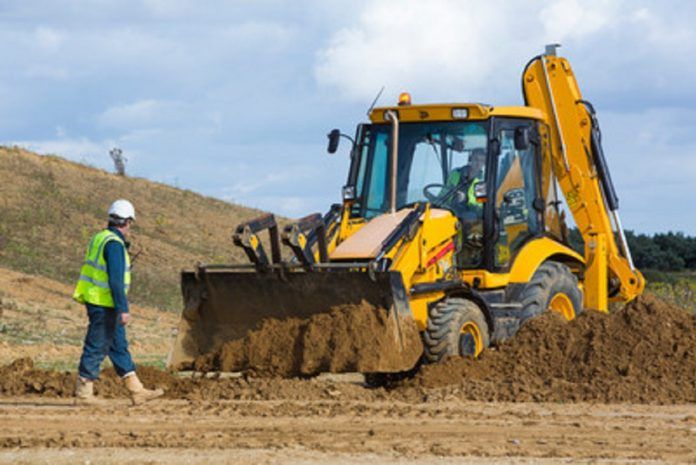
471, 340
562, 304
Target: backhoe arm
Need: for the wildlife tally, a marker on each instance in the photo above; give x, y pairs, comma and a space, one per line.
578, 162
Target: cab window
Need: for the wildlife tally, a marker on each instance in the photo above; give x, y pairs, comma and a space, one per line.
516, 189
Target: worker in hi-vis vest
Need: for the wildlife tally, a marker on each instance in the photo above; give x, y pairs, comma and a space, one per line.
460, 187
103, 287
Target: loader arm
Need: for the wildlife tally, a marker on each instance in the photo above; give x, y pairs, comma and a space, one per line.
578, 162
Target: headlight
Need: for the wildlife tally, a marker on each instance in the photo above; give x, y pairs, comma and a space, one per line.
460, 113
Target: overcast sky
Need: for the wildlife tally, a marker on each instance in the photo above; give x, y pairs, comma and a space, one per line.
233, 99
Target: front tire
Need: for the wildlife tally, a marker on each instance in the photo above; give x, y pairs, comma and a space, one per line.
555, 288
456, 327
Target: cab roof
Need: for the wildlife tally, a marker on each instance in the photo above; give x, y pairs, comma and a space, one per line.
454, 112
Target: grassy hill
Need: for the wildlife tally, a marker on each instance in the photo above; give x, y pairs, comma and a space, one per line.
38, 319
50, 207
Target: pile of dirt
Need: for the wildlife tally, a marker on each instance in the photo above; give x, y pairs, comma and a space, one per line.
347, 338
22, 378
644, 352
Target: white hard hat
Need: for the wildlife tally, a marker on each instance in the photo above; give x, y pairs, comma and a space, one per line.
122, 209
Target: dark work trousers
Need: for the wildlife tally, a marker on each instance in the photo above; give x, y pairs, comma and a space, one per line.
105, 336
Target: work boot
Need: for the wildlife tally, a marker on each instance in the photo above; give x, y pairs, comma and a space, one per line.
138, 393
84, 393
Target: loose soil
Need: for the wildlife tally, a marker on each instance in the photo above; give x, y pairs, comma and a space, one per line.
643, 353
347, 338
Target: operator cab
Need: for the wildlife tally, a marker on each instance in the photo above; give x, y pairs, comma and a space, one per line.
488, 167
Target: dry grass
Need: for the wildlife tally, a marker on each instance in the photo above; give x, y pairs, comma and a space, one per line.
38, 319
678, 288
50, 207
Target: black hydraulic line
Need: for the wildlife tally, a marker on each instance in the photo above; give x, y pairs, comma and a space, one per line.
526, 67
600, 161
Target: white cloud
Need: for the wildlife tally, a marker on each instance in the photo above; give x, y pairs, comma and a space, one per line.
149, 116
269, 33
413, 45
139, 113
42, 71
652, 157
458, 50
261, 182
670, 34
573, 19
48, 38
81, 149
170, 8
285, 205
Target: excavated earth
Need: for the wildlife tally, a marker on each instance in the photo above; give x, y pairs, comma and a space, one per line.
643, 353
618, 388
347, 338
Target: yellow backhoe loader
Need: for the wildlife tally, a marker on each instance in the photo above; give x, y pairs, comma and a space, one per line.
451, 222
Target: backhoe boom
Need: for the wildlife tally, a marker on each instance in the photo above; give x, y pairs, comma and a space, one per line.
579, 164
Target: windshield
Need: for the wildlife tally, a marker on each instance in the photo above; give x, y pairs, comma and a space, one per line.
440, 162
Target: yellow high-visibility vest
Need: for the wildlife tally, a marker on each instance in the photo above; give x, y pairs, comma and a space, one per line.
93, 285
455, 178
471, 200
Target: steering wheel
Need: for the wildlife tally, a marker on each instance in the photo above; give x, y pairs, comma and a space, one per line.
429, 195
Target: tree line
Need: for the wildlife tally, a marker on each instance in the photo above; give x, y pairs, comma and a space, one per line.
662, 251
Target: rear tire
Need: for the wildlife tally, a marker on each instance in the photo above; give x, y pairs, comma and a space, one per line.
456, 327
552, 287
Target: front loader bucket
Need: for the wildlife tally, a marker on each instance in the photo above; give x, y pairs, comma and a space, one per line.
224, 304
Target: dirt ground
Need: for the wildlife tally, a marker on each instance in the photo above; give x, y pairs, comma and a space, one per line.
39, 430
618, 388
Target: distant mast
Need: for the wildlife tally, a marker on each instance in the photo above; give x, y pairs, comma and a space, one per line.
119, 161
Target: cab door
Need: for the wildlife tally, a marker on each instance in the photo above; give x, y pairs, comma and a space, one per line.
514, 219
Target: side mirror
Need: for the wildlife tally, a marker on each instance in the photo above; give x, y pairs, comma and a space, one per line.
522, 142
334, 137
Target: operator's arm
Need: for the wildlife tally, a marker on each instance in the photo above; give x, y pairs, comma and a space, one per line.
115, 257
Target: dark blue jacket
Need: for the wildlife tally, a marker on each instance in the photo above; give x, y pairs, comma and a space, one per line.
115, 257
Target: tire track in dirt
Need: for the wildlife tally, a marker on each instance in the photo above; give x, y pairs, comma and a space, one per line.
440, 429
